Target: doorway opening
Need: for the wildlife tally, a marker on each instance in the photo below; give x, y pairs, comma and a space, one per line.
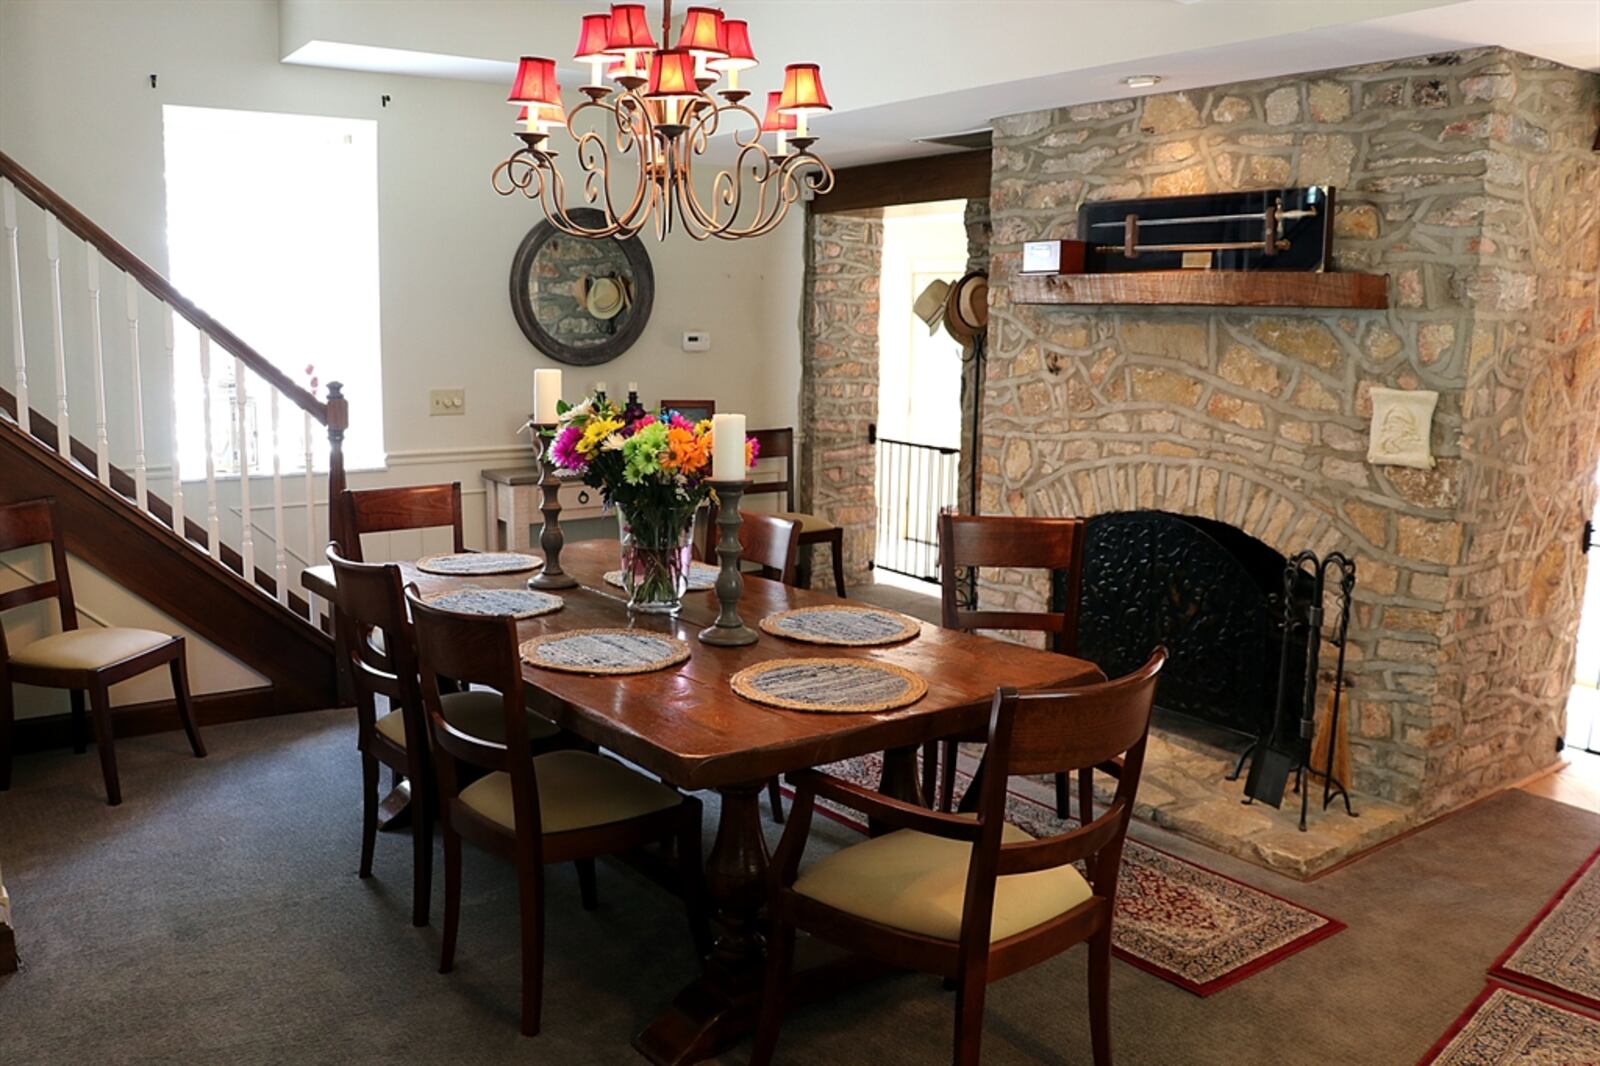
1583, 707
918, 433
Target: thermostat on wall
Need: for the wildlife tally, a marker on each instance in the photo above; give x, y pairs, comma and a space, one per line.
696, 340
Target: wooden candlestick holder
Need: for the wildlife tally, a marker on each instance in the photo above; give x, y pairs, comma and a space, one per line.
729, 631
550, 538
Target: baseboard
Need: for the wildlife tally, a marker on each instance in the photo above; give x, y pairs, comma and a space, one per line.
53, 731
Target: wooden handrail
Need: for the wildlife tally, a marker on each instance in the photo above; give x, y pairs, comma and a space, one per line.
121, 258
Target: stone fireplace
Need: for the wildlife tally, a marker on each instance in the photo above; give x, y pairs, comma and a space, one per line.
1470, 180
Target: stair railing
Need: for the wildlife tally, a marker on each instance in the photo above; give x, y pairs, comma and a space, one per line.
143, 284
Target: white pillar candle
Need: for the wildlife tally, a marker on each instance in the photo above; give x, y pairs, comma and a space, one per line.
727, 447
546, 393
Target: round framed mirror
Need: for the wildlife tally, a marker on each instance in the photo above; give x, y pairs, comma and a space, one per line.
579, 300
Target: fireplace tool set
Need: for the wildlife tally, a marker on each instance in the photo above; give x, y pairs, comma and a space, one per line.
1275, 756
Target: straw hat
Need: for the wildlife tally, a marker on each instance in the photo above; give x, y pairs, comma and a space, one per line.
930, 305
605, 296
966, 309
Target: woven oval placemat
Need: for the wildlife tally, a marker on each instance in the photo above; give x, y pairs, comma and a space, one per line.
473, 564
518, 603
702, 576
605, 651
858, 627
831, 686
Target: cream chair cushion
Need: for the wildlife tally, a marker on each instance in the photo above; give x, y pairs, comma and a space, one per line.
88, 649
479, 713
809, 523
577, 790
918, 882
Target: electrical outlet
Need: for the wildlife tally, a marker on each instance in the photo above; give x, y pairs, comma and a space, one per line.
447, 401
696, 340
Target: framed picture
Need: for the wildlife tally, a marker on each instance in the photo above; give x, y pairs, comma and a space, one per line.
693, 410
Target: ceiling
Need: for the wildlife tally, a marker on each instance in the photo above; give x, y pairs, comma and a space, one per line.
898, 72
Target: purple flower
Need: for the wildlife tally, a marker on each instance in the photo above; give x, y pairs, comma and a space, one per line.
564, 450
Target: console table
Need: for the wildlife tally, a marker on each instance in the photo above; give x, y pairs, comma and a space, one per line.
512, 505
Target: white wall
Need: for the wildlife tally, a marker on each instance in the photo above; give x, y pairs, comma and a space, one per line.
77, 109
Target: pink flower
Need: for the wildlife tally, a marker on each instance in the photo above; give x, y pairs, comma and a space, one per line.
634, 427
564, 450
752, 451
679, 422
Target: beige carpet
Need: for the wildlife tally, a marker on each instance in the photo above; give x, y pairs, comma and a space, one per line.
216, 918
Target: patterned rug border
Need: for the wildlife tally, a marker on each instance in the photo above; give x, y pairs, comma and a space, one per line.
1198, 988
1498, 970
1489, 989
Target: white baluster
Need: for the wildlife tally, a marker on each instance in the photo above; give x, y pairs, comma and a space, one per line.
312, 554
141, 495
213, 526
102, 443
178, 525
247, 544
280, 567
19, 354
52, 251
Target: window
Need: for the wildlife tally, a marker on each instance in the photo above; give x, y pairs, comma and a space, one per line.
272, 228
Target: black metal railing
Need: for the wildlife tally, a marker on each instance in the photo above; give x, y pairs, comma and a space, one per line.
915, 482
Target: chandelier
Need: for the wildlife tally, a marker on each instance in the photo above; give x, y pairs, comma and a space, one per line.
640, 142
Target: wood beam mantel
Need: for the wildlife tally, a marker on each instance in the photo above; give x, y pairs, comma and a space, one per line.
951, 176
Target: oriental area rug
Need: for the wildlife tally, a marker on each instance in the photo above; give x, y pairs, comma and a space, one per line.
1559, 951
1186, 924
1504, 1026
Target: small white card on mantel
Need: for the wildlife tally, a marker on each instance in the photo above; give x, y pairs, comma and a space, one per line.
1402, 427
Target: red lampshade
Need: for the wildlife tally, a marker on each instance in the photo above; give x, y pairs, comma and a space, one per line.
776, 120
535, 83
594, 38
672, 75
736, 38
546, 113
702, 32
629, 30
802, 90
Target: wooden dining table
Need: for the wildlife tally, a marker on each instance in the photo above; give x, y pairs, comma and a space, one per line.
687, 725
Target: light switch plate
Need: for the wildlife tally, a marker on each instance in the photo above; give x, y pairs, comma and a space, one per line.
447, 401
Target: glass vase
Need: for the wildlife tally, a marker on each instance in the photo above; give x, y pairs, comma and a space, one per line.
656, 551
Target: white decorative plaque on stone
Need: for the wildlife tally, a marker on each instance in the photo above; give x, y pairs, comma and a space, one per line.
1402, 427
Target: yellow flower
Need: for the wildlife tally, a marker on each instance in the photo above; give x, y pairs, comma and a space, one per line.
595, 433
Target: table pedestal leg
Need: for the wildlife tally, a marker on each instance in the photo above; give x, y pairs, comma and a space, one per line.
721, 1004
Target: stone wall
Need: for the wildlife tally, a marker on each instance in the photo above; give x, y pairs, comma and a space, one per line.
1467, 178
839, 380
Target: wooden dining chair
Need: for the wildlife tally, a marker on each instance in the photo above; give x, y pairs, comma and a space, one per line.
79, 660
814, 529
1012, 543
968, 896
771, 543
562, 806
393, 509
370, 605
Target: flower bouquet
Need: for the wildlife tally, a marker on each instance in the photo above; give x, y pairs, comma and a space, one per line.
654, 470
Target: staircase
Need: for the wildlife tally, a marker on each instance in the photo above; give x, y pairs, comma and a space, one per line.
203, 572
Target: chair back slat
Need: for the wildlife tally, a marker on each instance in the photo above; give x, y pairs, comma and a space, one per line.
772, 543
369, 599
775, 444
1085, 727
1013, 543
391, 509
1081, 843
470, 650
23, 525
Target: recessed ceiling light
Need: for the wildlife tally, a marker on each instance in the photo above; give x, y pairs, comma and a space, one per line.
1141, 81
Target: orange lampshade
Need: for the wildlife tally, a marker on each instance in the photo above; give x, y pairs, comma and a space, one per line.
702, 32
776, 120
594, 38
629, 29
672, 75
535, 83
802, 90
736, 39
